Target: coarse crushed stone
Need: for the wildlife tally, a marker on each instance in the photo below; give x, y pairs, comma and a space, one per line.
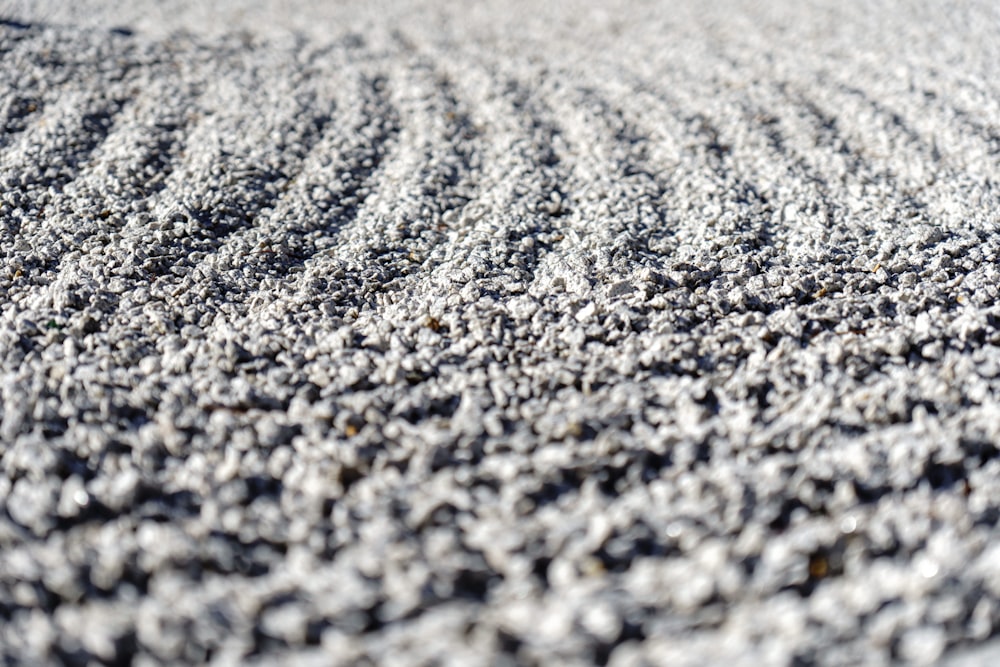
623, 333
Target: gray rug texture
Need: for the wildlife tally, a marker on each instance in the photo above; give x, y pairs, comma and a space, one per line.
499, 333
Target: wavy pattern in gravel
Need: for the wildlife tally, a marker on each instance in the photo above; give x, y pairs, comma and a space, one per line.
397, 336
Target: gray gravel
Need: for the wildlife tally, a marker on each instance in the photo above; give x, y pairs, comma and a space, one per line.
618, 333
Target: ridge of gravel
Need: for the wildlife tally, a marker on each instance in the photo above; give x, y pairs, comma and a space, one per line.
621, 333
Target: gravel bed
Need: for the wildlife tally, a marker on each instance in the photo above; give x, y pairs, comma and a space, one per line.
624, 333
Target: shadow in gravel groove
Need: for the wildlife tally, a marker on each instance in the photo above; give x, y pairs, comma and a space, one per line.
210, 227
296, 239
160, 141
767, 125
535, 212
892, 122
989, 136
69, 137
18, 110
462, 137
156, 144
441, 185
85, 127
311, 123
459, 186
538, 222
55, 167
211, 223
549, 216
834, 214
445, 185
14, 24
753, 231
633, 163
15, 113
534, 152
470, 232
618, 236
828, 132
690, 119
947, 104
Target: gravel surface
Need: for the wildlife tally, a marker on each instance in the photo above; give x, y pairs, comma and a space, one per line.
620, 333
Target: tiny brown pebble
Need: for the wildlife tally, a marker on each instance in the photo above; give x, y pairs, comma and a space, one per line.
350, 430
592, 567
818, 566
433, 324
